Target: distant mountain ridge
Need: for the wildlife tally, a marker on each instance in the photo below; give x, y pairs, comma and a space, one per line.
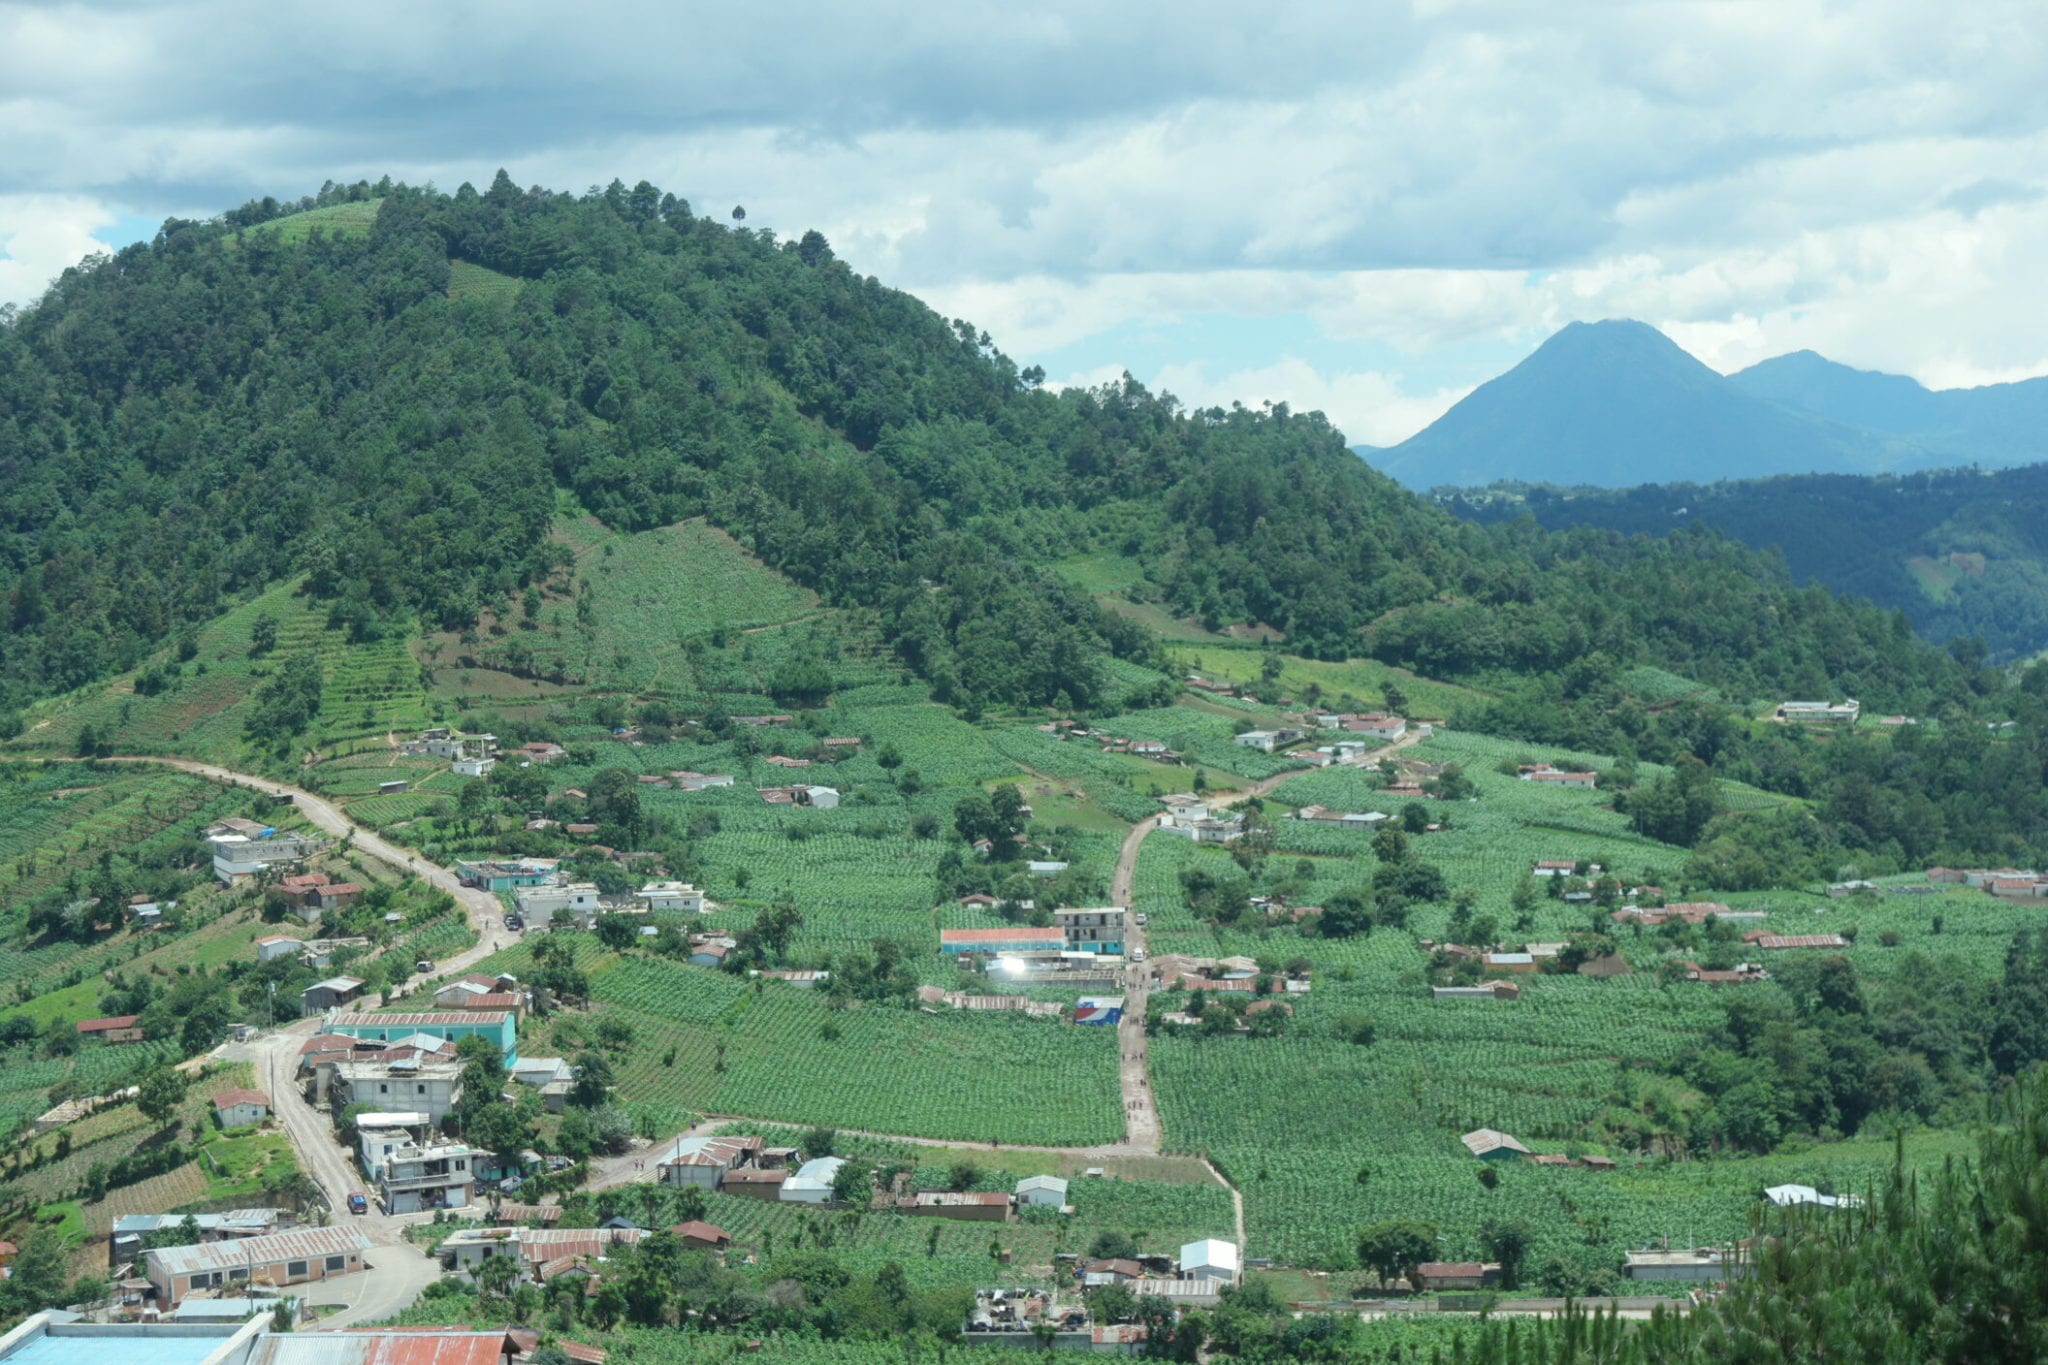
1615, 404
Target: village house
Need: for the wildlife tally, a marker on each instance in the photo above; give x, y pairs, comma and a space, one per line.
427, 1173
130, 1229
697, 1235
335, 991
1210, 1259
1556, 777
689, 781
1492, 990
1819, 712
970, 1207
498, 1028
1022, 938
1695, 1265
1091, 931
507, 874
759, 721
429, 1085
784, 761
811, 1183
539, 905
1772, 943
1564, 867
1349, 819
240, 1108
540, 751
276, 1261
706, 1161
238, 856
1489, 1144
1436, 1277
531, 1248
671, 896
755, 1183
1041, 1192
1192, 818
823, 798
802, 980
273, 946
1265, 741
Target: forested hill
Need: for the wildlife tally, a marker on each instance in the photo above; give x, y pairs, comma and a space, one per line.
395, 392
1964, 553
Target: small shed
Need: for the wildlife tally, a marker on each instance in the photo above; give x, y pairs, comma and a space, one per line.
1042, 1192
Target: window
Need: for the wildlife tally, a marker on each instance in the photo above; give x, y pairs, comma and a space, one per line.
383, 1088
335, 1263
295, 1270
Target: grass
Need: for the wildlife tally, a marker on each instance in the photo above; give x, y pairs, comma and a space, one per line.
369, 688
1349, 685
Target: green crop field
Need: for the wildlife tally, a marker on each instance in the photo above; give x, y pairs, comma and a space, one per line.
335, 220
368, 689
707, 1041
467, 280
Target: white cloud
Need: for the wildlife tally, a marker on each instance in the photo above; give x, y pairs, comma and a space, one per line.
1370, 408
1753, 177
43, 235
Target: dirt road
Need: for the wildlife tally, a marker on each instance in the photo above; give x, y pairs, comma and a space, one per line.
486, 915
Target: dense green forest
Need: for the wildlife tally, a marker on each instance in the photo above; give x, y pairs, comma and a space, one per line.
1963, 553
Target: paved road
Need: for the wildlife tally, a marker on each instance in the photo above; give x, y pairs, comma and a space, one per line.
1141, 1110
397, 1271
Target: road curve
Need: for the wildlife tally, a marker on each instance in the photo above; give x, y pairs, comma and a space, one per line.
482, 908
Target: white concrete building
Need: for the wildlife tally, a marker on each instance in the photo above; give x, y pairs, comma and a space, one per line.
671, 896
1211, 1259
1041, 1192
541, 904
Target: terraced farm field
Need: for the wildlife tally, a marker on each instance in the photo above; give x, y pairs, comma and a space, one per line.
369, 688
335, 220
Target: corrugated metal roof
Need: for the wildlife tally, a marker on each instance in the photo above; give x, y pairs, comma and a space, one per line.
299, 1244
429, 1019
404, 1347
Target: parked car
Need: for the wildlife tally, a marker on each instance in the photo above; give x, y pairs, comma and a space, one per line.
515, 923
1141, 918
357, 1203
423, 966
510, 1184
1138, 955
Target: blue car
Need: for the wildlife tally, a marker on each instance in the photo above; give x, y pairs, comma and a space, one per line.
358, 1204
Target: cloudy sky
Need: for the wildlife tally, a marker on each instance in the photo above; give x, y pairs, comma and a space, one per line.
1359, 207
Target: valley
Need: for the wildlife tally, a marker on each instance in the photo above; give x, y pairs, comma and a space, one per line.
724, 749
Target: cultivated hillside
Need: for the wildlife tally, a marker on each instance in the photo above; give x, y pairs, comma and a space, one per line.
400, 406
